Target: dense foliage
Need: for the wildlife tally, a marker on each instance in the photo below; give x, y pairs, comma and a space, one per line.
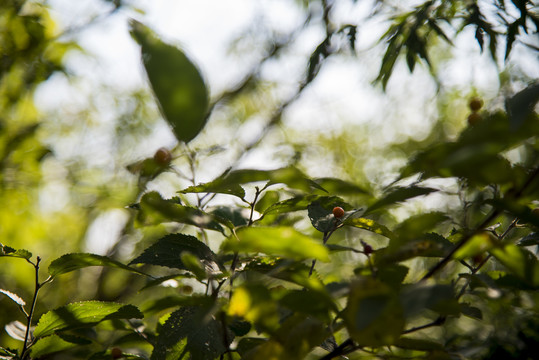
276, 264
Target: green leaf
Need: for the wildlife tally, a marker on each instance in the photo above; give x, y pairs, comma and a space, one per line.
191, 334
322, 219
9, 251
529, 240
373, 314
56, 343
370, 225
16, 298
471, 311
419, 297
229, 216
83, 314
72, 262
160, 280
338, 186
399, 195
309, 302
392, 275
155, 210
254, 302
417, 225
302, 202
521, 105
168, 252
176, 82
245, 345
418, 344
519, 261
278, 241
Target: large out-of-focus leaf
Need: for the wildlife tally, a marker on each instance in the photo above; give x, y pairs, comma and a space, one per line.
278, 241
399, 195
417, 298
176, 82
519, 261
168, 252
190, 333
521, 105
72, 262
9, 251
83, 314
154, 210
373, 314
56, 343
254, 302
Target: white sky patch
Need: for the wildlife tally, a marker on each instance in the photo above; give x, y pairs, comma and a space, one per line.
104, 231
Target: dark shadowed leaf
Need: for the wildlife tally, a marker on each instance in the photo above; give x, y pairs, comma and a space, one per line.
529, 240
301, 202
168, 251
419, 297
55, 343
521, 262
176, 82
341, 187
370, 225
191, 334
521, 105
72, 262
83, 314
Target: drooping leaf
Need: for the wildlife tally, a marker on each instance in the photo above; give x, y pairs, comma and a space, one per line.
16, 298
278, 241
55, 343
168, 251
189, 333
373, 314
176, 82
9, 251
75, 261
154, 209
399, 195
83, 314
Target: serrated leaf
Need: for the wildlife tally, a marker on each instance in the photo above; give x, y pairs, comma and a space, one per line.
55, 343
13, 297
9, 251
278, 241
190, 333
155, 210
168, 251
370, 225
75, 261
176, 82
399, 195
83, 314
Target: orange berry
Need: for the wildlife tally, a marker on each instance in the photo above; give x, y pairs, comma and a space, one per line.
475, 104
162, 157
474, 118
338, 212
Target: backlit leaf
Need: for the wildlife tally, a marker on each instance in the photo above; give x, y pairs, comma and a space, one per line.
72, 262
9, 251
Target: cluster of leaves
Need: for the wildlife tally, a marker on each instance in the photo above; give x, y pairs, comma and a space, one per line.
260, 281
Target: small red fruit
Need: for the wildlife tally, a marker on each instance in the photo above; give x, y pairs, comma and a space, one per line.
474, 118
338, 212
162, 157
367, 249
116, 353
475, 104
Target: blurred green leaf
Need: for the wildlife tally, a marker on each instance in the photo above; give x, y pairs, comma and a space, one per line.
154, 210
373, 314
313, 303
190, 332
231, 216
521, 105
72, 262
471, 311
176, 82
254, 302
417, 298
302, 202
278, 241
519, 261
83, 314
418, 344
397, 195
392, 275
168, 252
338, 186
529, 240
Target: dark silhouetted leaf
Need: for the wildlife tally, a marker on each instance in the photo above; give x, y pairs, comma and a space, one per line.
399, 195
176, 82
55, 343
419, 297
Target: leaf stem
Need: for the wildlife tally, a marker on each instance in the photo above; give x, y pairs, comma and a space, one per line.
32, 307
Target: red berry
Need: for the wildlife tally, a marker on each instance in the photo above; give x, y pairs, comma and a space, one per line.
116, 353
338, 212
474, 118
475, 104
162, 157
367, 249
